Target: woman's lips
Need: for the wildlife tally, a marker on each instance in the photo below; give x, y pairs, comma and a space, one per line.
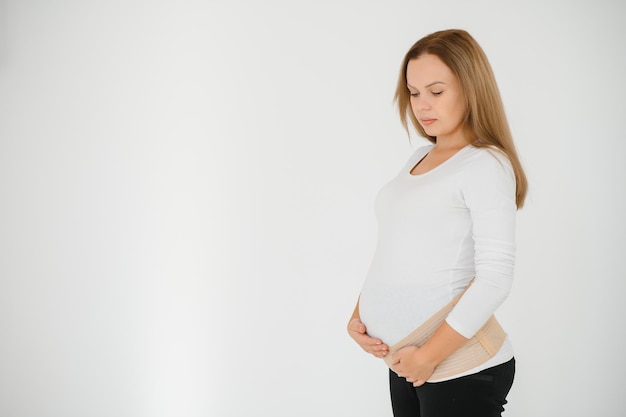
426, 122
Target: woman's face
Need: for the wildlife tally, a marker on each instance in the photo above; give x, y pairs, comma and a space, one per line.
437, 100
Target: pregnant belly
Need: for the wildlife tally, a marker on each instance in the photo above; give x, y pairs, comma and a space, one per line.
392, 312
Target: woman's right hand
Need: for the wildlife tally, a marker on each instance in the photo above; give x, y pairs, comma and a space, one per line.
373, 346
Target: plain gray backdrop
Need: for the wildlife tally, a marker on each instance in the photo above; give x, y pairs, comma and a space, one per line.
187, 187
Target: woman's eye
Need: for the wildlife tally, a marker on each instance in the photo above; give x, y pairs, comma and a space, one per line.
415, 94
436, 93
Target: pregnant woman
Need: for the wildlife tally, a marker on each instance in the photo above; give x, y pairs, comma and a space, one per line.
446, 240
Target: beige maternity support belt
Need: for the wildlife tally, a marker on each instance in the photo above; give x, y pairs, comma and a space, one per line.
476, 351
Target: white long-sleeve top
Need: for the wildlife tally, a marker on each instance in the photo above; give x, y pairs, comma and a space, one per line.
436, 231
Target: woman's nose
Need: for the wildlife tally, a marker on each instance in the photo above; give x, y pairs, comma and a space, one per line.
420, 103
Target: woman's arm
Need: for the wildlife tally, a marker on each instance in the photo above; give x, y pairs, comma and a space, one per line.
488, 190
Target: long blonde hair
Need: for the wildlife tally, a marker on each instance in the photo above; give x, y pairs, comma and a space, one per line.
485, 120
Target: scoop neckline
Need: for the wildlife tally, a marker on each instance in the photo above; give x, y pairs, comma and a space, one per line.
438, 166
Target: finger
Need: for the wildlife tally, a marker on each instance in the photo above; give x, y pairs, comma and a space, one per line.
419, 383
357, 326
395, 360
375, 346
383, 349
398, 370
396, 357
379, 347
381, 354
377, 351
365, 340
357, 331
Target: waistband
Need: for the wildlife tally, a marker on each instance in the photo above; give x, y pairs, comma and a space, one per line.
476, 351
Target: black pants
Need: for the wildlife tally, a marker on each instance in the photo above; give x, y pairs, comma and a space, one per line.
478, 395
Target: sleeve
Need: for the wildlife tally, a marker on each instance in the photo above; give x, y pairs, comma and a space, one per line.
488, 189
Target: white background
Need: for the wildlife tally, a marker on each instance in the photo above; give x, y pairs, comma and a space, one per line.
187, 189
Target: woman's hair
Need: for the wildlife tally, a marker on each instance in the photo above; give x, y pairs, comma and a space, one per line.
485, 121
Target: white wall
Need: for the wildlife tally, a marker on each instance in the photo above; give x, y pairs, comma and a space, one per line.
187, 187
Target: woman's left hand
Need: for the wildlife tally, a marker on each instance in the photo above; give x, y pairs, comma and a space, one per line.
412, 364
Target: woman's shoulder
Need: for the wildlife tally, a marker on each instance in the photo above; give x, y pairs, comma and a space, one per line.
488, 157
486, 165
